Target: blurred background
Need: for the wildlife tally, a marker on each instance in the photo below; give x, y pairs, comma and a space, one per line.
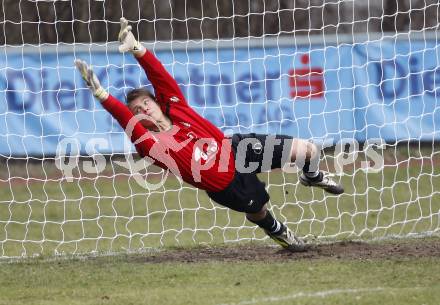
37, 22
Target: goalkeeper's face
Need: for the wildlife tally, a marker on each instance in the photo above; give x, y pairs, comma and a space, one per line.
149, 111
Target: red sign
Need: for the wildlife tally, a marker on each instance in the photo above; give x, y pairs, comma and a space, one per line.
306, 82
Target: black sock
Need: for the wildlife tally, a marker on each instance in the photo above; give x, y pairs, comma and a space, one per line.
316, 177
269, 224
306, 167
311, 175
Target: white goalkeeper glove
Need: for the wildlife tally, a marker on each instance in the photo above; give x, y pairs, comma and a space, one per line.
127, 40
91, 80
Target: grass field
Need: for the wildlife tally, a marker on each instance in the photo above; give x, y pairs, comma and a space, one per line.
41, 214
275, 279
113, 213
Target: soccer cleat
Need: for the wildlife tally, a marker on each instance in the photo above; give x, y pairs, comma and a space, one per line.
288, 241
324, 181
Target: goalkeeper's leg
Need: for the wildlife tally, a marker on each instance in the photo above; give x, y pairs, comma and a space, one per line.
247, 194
302, 152
280, 233
311, 175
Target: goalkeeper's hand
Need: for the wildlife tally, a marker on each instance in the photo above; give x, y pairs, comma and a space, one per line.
91, 80
127, 40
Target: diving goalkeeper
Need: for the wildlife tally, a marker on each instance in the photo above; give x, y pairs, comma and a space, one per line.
164, 128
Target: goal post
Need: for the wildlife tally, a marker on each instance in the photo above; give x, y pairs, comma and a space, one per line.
70, 181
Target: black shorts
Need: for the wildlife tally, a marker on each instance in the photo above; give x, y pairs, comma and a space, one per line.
256, 153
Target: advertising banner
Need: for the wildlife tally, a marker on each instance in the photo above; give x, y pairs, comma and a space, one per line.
383, 89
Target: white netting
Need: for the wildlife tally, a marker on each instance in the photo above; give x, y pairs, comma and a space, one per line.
338, 72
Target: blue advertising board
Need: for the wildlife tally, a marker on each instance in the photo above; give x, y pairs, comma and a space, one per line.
380, 89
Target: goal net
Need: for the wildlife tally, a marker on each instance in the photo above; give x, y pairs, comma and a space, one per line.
359, 78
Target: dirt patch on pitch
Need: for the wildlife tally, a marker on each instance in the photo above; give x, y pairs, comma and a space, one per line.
339, 250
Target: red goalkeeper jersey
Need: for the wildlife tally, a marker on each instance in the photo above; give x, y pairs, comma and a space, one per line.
193, 149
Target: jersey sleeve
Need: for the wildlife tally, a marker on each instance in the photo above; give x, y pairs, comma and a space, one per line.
140, 136
165, 86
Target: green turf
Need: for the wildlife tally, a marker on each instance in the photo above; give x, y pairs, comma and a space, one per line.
120, 280
115, 214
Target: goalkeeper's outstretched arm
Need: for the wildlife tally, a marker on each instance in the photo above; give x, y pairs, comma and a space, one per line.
138, 134
164, 84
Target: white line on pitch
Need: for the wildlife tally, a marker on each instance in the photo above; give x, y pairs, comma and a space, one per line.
317, 294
